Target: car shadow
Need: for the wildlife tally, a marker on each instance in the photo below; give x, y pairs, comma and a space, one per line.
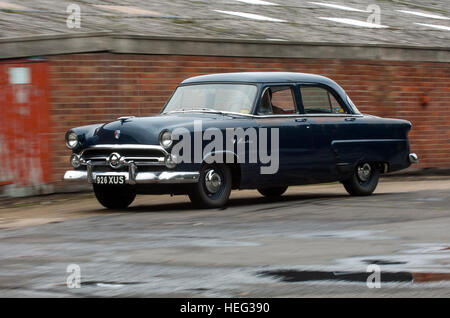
235, 202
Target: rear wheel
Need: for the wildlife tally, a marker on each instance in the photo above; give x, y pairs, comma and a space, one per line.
114, 197
363, 181
213, 188
272, 192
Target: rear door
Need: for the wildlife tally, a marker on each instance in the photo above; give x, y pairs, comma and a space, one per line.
331, 121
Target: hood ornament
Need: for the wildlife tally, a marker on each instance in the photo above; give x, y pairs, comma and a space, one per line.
124, 118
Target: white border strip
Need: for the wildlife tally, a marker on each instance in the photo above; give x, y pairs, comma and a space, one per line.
250, 16
356, 22
425, 15
337, 6
436, 26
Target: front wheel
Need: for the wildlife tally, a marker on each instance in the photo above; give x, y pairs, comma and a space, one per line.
213, 187
114, 197
363, 181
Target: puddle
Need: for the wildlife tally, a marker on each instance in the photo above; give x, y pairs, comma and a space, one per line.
383, 262
431, 277
108, 284
298, 276
294, 276
198, 289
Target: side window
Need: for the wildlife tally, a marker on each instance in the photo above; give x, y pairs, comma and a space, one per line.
277, 100
318, 100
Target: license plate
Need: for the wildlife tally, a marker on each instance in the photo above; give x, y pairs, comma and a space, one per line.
110, 179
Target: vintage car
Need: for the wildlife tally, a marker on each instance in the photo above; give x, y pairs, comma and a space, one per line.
306, 127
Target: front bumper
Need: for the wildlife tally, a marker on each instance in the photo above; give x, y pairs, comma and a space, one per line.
136, 177
159, 157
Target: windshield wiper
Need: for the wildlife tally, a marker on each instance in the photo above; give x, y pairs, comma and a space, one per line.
203, 109
212, 110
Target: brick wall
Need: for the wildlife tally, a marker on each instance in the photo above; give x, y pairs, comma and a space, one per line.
99, 87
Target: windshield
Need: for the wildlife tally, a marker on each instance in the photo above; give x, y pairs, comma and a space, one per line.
236, 98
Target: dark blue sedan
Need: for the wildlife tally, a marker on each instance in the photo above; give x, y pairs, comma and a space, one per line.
219, 132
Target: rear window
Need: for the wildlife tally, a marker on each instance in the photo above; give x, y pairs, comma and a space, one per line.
318, 100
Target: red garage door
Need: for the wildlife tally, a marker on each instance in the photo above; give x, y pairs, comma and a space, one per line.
24, 126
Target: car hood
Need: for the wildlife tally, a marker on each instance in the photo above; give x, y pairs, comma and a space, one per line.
146, 130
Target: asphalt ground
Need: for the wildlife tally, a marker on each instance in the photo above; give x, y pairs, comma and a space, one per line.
315, 241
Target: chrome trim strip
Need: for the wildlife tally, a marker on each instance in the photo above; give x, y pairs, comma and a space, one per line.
95, 158
126, 146
158, 159
140, 177
265, 116
366, 140
140, 161
155, 159
205, 111
308, 115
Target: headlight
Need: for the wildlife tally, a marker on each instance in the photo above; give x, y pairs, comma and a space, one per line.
71, 140
165, 139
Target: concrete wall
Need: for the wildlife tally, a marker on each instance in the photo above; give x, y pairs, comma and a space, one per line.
98, 87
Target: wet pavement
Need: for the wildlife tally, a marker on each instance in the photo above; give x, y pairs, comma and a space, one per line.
314, 241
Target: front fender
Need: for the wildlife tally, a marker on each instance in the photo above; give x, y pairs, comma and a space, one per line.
85, 134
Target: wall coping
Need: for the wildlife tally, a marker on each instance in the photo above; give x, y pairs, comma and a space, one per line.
43, 45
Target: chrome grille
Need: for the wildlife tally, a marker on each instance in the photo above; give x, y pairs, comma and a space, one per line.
141, 155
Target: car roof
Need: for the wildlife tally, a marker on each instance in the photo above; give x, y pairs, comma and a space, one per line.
267, 77
260, 77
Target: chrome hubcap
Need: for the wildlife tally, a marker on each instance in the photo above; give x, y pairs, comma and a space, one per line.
212, 181
364, 172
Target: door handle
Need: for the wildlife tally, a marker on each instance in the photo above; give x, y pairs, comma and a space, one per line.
301, 120
350, 119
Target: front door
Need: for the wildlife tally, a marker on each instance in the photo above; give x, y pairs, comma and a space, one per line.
278, 111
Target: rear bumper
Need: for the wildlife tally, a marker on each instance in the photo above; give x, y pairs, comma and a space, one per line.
413, 158
133, 177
